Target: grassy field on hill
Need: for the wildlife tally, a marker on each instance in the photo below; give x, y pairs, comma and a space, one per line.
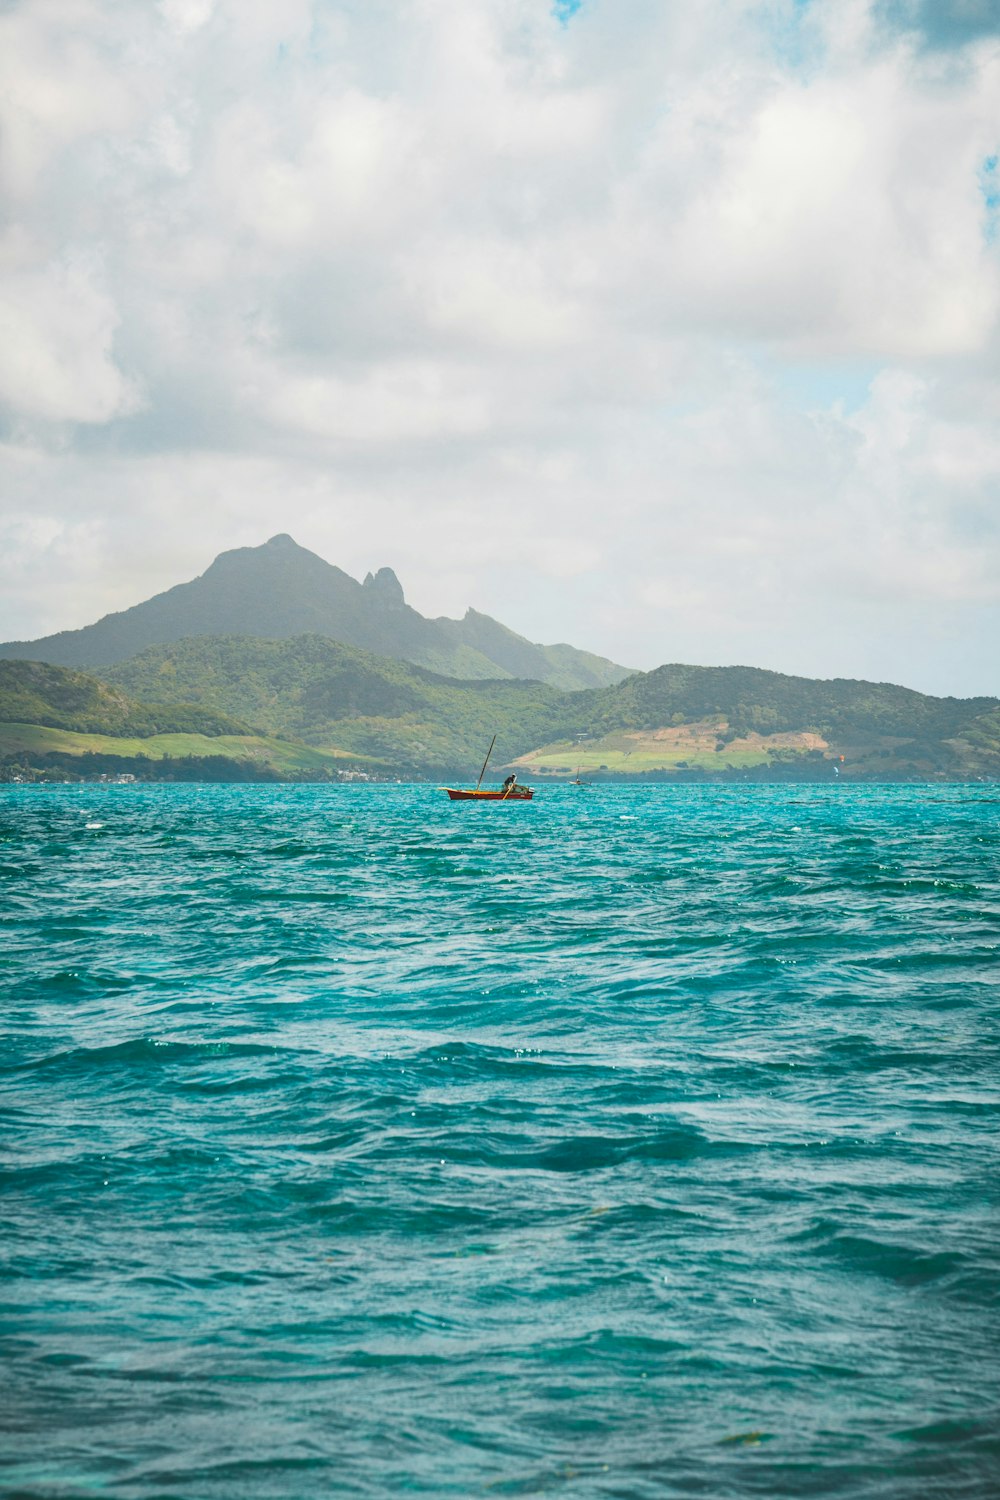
699, 746
283, 755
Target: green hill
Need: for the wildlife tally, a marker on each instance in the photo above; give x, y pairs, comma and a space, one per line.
325, 693
281, 590
56, 721
734, 719
34, 692
752, 699
308, 706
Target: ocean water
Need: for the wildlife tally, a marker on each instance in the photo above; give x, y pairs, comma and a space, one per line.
637, 1142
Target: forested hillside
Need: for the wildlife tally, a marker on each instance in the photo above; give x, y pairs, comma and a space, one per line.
323, 692
33, 692
311, 704
752, 699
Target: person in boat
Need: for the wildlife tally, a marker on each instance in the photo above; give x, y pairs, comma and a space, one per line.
510, 782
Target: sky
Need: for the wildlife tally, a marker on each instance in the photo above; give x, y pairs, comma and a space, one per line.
666, 329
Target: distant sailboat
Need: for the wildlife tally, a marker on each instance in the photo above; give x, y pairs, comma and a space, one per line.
509, 792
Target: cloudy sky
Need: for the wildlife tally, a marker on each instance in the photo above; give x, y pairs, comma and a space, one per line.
665, 327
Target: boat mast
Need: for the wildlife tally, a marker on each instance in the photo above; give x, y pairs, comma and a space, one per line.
486, 763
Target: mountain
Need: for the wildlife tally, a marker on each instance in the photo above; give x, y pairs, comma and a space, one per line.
281, 590
677, 720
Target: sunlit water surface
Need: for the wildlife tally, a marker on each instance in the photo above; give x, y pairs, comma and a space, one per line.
635, 1142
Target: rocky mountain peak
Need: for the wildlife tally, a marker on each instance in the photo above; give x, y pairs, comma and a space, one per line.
386, 587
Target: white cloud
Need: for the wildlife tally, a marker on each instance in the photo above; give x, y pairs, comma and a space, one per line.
56, 360
405, 401
61, 90
521, 304
186, 15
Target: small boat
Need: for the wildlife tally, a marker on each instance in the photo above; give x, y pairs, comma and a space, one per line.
513, 794
509, 792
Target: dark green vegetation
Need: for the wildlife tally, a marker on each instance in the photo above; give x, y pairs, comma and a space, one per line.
885, 732
33, 692
328, 694
753, 700
325, 693
281, 590
310, 707
56, 723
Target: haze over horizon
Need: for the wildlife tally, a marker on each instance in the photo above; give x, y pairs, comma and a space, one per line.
667, 331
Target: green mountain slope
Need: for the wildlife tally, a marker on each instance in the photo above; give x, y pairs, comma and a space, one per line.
708, 719
736, 717
281, 590
57, 722
33, 692
561, 666
301, 706
324, 693
752, 699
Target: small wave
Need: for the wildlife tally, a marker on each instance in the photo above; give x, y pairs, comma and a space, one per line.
952, 1431
858, 1053
908, 1265
578, 1154
144, 1052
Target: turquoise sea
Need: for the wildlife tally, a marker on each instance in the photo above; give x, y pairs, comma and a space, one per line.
636, 1142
